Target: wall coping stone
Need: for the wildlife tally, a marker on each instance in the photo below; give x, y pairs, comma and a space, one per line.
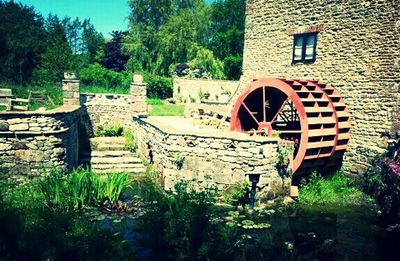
212, 133
60, 110
33, 133
205, 80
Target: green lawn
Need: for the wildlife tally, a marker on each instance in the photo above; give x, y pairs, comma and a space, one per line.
20, 91
99, 89
159, 107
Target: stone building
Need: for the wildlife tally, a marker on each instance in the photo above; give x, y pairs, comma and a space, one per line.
353, 45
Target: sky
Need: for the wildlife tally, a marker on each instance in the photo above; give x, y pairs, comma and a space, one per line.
105, 15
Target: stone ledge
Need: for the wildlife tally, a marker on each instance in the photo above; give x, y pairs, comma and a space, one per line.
60, 110
210, 133
33, 133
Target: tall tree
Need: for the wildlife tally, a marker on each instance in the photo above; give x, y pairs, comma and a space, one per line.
114, 59
58, 56
21, 41
227, 30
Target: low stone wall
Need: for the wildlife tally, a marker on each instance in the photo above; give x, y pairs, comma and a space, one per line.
106, 109
222, 159
184, 89
30, 141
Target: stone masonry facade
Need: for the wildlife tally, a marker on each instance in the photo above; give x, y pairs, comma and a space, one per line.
217, 159
358, 52
30, 142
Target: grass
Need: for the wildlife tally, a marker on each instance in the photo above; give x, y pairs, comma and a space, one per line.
161, 108
336, 189
20, 91
99, 89
32, 231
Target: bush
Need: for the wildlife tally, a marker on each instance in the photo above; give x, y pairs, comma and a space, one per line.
130, 142
158, 86
381, 182
336, 189
109, 131
97, 75
181, 226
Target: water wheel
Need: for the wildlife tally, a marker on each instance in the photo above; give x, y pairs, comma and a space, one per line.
310, 113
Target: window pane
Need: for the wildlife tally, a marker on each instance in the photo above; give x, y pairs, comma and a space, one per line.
310, 41
309, 53
298, 53
298, 41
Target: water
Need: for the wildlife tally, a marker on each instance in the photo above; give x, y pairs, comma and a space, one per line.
299, 233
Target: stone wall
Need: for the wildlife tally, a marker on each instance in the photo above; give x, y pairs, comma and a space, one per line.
105, 110
358, 52
30, 141
186, 88
221, 159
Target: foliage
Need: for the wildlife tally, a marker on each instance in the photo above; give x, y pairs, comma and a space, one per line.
180, 226
382, 183
101, 89
179, 159
21, 42
115, 130
32, 231
130, 142
227, 30
57, 58
238, 194
158, 86
96, 75
80, 189
336, 189
113, 58
161, 108
179, 34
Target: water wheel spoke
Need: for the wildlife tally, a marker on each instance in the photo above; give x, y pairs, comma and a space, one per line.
251, 114
264, 105
280, 110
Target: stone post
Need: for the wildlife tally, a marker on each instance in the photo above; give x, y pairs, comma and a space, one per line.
71, 92
138, 96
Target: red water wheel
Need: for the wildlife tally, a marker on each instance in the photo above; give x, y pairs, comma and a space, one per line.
310, 113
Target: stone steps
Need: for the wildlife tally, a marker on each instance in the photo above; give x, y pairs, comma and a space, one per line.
109, 155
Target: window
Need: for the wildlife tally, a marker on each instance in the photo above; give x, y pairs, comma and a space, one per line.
304, 47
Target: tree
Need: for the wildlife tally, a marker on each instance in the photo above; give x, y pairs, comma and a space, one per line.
163, 33
58, 57
227, 30
22, 31
114, 59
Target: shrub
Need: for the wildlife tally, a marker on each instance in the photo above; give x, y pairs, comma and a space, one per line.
381, 182
97, 75
130, 142
238, 194
109, 131
336, 189
158, 86
180, 226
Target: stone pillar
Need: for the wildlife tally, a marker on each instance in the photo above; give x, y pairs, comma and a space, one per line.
138, 96
70, 87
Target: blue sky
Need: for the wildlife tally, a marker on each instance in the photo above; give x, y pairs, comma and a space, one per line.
105, 15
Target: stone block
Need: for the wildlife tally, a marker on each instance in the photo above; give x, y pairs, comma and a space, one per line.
19, 127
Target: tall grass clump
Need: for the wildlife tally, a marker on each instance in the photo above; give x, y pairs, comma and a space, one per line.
336, 189
130, 142
81, 189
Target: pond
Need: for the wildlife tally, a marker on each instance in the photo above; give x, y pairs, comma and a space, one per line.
290, 233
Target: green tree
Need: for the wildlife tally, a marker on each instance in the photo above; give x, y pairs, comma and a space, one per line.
21, 34
58, 56
227, 30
